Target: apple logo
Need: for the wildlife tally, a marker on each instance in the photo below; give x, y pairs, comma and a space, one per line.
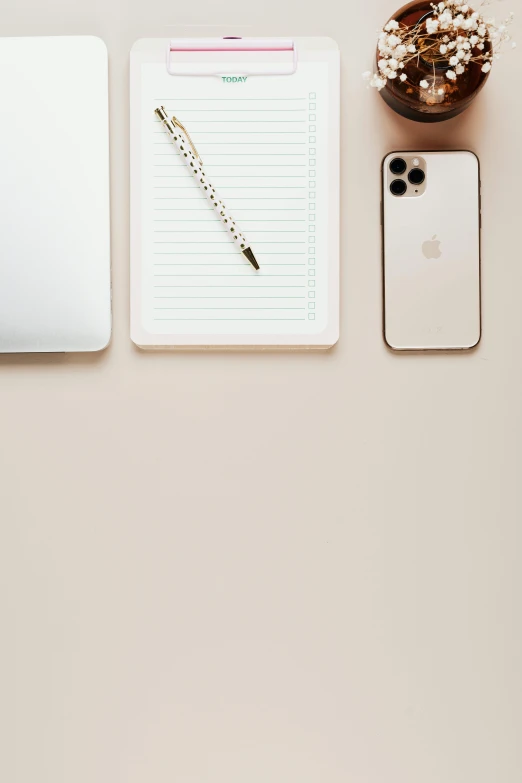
431, 248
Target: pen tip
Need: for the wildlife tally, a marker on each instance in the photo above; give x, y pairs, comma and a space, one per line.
247, 252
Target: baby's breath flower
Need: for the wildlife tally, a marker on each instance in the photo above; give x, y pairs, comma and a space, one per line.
456, 37
377, 82
445, 20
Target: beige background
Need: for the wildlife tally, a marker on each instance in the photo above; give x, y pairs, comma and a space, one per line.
238, 568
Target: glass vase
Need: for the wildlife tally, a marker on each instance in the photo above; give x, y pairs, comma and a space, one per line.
443, 99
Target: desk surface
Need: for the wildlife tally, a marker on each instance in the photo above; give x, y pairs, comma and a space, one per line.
238, 567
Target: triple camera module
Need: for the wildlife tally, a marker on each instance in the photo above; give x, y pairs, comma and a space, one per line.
407, 177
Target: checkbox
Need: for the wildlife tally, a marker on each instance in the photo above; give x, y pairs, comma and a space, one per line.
311, 184
311, 294
311, 261
311, 305
311, 205
311, 316
312, 139
311, 219
311, 117
311, 174
312, 150
311, 229
311, 95
312, 106
312, 128
311, 273
311, 284
311, 251
311, 162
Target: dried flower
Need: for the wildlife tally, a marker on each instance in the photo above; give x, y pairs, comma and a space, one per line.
452, 37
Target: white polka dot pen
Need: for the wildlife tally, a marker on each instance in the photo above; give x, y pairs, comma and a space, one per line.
181, 139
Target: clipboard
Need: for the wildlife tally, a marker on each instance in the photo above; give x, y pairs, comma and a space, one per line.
264, 115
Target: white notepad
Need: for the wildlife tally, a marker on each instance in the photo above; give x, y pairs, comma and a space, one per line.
270, 145
55, 276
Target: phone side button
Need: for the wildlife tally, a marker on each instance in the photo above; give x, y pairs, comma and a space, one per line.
382, 213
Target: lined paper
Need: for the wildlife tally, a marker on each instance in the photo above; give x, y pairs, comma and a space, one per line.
263, 146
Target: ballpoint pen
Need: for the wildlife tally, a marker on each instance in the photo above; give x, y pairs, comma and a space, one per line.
189, 154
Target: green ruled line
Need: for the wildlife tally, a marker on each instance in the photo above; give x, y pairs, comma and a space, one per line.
229, 319
229, 308
231, 287
228, 297
246, 277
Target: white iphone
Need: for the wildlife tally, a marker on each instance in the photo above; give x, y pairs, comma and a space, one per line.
431, 250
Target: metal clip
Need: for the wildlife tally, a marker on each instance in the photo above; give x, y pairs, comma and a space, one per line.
176, 122
163, 117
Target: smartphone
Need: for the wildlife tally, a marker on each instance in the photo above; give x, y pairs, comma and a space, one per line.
431, 250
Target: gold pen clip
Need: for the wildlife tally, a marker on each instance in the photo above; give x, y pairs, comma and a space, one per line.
176, 122
163, 117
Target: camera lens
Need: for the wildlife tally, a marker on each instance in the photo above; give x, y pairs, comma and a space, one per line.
398, 187
398, 166
416, 176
